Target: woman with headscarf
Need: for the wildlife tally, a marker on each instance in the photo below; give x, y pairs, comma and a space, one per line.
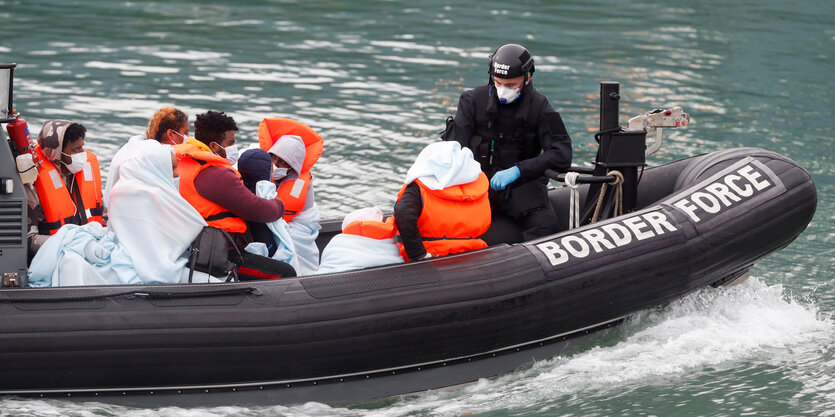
68, 187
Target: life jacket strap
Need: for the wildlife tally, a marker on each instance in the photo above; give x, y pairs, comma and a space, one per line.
46, 228
98, 210
219, 216
398, 239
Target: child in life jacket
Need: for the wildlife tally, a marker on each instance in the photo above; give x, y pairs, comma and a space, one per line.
366, 241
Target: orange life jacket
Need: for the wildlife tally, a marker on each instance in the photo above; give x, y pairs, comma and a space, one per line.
189, 146
370, 228
453, 218
59, 207
292, 193
193, 159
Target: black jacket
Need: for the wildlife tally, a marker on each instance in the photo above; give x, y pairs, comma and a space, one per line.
407, 209
527, 133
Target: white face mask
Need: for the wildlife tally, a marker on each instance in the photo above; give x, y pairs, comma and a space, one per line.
232, 154
184, 137
507, 95
79, 160
279, 173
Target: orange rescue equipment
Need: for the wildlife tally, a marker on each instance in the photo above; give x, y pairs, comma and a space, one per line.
452, 218
293, 193
370, 228
192, 160
59, 207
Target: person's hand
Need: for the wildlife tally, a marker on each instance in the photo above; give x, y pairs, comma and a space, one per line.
504, 177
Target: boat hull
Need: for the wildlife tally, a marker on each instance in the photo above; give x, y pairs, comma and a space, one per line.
404, 328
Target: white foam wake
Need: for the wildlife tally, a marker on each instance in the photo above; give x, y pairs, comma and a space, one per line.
712, 328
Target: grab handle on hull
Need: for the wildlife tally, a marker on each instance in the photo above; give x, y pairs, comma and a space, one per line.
583, 179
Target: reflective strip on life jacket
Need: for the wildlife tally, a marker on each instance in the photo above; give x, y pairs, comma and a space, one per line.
57, 202
293, 193
453, 218
191, 162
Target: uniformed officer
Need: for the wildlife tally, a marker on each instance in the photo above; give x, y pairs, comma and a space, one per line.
515, 135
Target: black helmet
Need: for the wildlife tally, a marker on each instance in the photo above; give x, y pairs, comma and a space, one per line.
510, 61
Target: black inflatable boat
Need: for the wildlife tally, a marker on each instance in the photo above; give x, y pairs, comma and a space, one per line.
410, 327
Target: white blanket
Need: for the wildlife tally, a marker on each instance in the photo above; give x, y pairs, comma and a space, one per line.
75, 255
347, 252
304, 229
296, 240
151, 226
152, 222
443, 164
285, 248
123, 154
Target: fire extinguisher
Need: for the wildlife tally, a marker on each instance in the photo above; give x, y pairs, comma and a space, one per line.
22, 139
26, 157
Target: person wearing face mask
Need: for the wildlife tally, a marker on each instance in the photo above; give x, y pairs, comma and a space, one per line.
213, 187
68, 187
168, 126
287, 156
295, 148
515, 135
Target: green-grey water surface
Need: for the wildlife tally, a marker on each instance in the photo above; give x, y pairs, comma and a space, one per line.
377, 79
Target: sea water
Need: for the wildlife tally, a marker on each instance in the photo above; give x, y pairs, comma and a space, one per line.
378, 78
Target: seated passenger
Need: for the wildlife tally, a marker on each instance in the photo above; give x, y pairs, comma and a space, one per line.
167, 125
287, 155
68, 187
366, 241
213, 187
443, 206
153, 224
140, 246
295, 148
255, 165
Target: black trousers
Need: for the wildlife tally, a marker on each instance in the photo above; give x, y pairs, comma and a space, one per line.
526, 208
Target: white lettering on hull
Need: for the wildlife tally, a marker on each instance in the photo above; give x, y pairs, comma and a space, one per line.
702, 203
723, 193
607, 237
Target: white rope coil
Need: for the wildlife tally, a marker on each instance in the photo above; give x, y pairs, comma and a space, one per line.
574, 200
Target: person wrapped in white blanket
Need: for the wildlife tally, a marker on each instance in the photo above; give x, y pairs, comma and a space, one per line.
149, 234
167, 125
366, 241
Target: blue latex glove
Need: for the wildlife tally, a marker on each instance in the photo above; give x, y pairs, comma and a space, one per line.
504, 177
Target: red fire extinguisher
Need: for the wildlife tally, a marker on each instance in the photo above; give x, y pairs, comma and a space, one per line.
22, 139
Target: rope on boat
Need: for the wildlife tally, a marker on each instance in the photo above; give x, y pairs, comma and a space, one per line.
618, 183
133, 294
574, 199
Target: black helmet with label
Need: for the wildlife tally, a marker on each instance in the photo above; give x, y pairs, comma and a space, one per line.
511, 61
